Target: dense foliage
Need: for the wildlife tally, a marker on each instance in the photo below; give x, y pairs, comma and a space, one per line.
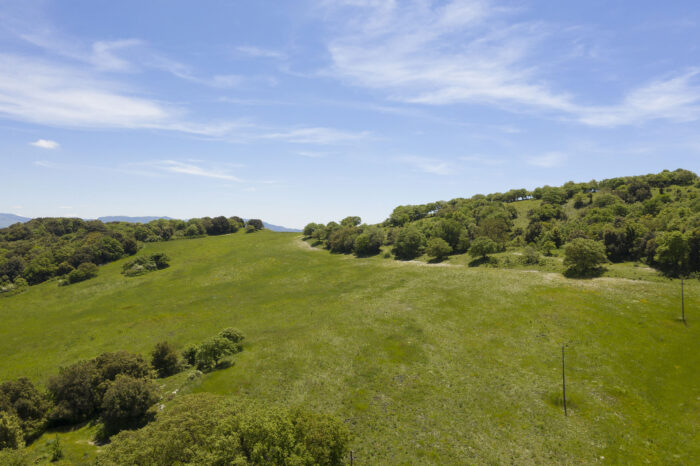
209, 430
653, 219
43, 248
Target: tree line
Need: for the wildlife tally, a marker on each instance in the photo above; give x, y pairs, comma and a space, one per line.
651, 218
44, 248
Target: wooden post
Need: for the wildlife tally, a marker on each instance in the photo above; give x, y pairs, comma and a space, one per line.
351, 458
682, 303
563, 379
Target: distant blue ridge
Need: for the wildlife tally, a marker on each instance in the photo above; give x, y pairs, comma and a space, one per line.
10, 219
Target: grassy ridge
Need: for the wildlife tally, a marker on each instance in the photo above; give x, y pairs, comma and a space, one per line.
427, 364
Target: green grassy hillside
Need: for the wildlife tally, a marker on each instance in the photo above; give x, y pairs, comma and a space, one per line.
436, 364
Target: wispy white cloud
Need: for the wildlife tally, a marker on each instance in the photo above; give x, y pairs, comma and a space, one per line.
411, 52
173, 166
675, 98
317, 135
259, 52
43, 92
45, 144
548, 160
427, 165
460, 52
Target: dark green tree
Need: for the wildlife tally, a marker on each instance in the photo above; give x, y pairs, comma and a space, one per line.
584, 256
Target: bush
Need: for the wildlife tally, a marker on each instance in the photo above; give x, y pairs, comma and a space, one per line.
21, 398
409, 243
207, 429
55, 450
189, 354
110, 365
145, 264
212, 350
11, 435
77, 390
165, 360
256, 223
342, 240
75, 393
438, 248
85, 271
584, 256
531, 256
232, 334
369, 241
126, 402
481, 247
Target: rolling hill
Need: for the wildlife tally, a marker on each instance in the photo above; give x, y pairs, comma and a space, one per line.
427, 364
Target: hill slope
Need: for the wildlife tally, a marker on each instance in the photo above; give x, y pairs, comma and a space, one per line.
426, 364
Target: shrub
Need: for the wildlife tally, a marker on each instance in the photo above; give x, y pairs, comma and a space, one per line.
126, 402
256, 223
24, 400
55, 450
75, 393
145, 264
165, 360
531, 256
189, 354
438, 248
77, 390
409, 243
110, 365
85, 271
232, 334
342, 240
481, 247
11, 435
584, 256
212, 350
369, 241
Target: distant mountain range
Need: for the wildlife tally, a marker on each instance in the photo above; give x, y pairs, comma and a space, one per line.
9, 219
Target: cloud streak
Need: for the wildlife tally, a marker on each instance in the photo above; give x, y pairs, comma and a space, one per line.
182, 168
435, 54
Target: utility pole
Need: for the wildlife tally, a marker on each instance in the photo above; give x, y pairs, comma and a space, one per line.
563, 379
682, 303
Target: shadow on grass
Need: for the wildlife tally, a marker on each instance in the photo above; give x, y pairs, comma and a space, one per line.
437, 260
584, 274
482, 261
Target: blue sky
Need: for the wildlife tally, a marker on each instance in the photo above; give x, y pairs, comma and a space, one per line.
314, 110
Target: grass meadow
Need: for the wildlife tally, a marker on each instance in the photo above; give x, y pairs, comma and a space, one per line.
427, 364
